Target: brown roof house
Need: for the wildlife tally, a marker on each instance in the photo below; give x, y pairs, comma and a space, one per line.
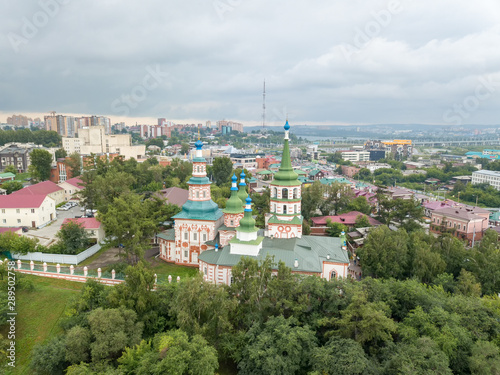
467, 223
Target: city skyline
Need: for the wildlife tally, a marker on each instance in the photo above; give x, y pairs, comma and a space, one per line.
353, 63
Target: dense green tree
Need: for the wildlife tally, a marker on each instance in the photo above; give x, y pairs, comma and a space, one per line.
359, 204
334, 229
362, 221
78, 345
10, 169
365, 322
339, 356
385, 253
222, 169
136, 293
203, 308
113, 330
485, 358
60, 153
336, 198
73, 238
184, 148
129, 225
41, 163
467, 284
74, 163
173, 353
312, 197
280, 346
421, 358
10, 241
155, 142
12, 186
49, 358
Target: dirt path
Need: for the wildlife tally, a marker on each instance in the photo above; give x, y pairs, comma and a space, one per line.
113, 256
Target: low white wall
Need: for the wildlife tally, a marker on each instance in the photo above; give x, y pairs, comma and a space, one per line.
59, 258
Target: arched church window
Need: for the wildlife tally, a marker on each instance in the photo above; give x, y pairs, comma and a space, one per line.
333, 275
275, 193
274, 208
284, 193
295, 193
284, 209
197, 194
204, 194
295, 209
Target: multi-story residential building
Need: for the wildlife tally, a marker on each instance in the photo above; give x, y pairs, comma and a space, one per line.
19, 120
489, 177
45, 188
349, 170
16, 154
355, 156
468, 223
399, 148
94, 140
234, 126
71, 188
18, 210
245, 161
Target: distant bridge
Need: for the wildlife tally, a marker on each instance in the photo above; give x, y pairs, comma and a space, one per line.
436, 142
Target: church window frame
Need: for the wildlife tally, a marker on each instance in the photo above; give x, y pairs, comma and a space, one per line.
204, 237
284, 193
186, 236
195, 236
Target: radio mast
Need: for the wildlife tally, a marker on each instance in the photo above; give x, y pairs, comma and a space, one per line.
264, 108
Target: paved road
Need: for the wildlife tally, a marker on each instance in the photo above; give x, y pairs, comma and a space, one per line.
47, 235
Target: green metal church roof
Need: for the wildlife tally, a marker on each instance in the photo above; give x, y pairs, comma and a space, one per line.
309, 251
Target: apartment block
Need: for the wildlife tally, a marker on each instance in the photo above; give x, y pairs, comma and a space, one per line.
489, 177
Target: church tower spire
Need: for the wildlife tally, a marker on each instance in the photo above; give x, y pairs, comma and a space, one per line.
242, 193
247, 240
285, 219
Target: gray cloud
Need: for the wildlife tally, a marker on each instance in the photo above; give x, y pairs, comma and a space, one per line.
356, 61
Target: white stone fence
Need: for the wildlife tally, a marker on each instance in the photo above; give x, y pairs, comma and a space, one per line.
59, 258
70, 274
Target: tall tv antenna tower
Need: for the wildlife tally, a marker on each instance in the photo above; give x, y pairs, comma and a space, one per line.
264, 107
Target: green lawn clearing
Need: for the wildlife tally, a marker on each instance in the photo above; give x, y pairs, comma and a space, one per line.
38, 314
163, 269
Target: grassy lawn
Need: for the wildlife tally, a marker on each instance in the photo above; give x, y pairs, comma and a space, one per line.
163, 269
22, 176
38, 315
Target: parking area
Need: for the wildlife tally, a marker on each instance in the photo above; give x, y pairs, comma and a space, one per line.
47, 235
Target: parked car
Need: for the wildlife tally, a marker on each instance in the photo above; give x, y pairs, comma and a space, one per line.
25, 229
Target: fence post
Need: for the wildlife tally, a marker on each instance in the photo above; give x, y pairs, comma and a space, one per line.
169, 278
58, 268
19, 264
178, 278
71, 270
32, 265
113, 274
44, 266
99, 272
85, 271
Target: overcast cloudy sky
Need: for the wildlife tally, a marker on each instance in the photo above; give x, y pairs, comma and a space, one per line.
324, 61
